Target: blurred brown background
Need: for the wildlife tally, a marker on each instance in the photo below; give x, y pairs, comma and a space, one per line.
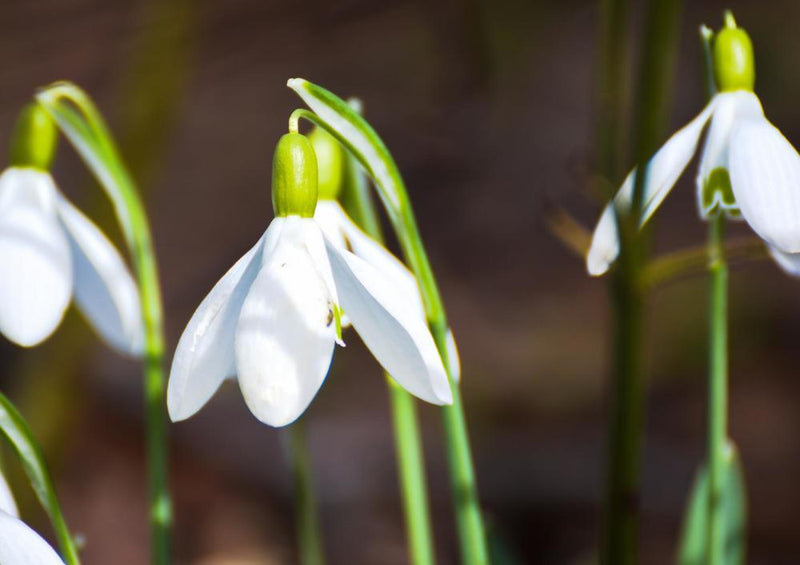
488, 108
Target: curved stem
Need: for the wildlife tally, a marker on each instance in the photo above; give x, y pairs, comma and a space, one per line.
308, 532
82, 124
717, 388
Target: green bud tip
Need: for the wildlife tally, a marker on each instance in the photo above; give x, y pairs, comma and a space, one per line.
734, 62
330, 161
35, 137
294, 177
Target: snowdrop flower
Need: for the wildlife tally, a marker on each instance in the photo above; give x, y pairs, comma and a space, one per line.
273, 320
748, 169
341, 231
50, 252
19, 544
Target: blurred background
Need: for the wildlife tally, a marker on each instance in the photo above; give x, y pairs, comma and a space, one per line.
490, 111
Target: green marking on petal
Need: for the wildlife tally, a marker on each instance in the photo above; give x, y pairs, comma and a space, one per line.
718, 194
337, 315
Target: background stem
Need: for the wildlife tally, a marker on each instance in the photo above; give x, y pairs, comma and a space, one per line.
309, 537
717, 387
359, 204
619, 544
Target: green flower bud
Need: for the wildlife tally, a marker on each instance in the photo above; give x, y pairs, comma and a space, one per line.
734, 63
330, 160
35, 138
294, 177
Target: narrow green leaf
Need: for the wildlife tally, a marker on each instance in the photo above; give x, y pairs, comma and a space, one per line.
353, 131
693, 543
16, 432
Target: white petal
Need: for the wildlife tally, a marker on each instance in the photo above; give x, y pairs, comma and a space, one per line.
7, 503
663, 171
205, 353
729, 108
765, 178
35, 264
20, 545
788, 262
104, 288
286, 332
390, 327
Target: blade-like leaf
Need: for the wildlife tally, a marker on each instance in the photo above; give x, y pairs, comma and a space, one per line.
360, 138
693, 543
19, 436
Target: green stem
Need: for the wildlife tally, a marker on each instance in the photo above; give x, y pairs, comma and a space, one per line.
84, 126
408, 442
309, 537
469, 519
411, 469
619, 545
717, 387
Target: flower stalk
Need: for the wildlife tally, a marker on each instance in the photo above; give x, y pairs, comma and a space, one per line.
717, 387
308, 531
335, 116
81, 123
405, 422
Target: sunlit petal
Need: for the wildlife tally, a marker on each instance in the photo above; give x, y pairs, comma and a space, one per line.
20, 545
205, 353
663, 171
35, 264
103, 287
765, 178
390, 327
286, 331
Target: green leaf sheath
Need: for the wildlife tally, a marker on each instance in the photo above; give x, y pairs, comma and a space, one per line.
82, 124
345, 124
693, 548
19, 436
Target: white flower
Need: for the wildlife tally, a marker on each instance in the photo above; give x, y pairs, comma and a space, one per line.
763, 168
19, 544
271, 322
340, 230
50, 252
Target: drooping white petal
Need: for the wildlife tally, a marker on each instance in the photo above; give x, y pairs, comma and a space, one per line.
104, 289
20, 545
730, 108
390, 327
7, 503
341, 231
663, 171
765, 178
788, 262
205, 356
35, 264
286, 331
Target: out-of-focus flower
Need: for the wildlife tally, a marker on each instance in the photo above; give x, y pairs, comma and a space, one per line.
50, 252
748, 169
19, 544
